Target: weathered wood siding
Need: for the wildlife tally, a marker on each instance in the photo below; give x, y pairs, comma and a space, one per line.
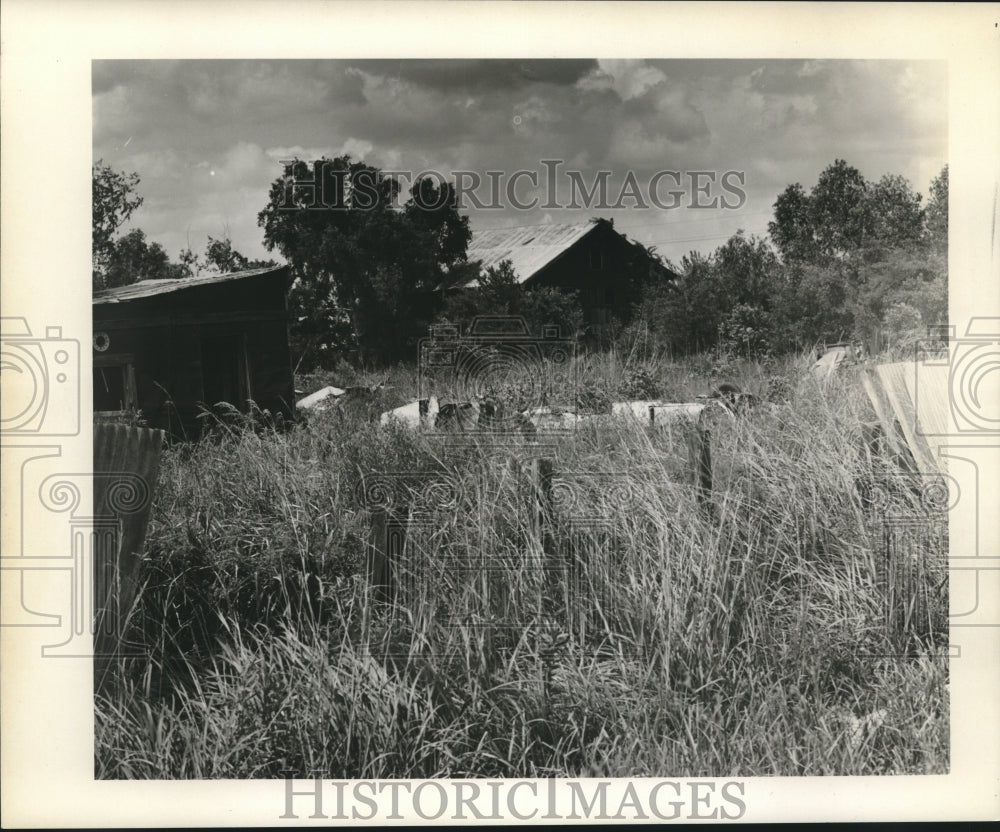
162, 337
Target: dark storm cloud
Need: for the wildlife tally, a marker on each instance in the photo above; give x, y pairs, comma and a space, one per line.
480, 75
207, 137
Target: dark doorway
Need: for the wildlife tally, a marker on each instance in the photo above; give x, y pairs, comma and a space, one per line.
114, 384
109, 388
224, 371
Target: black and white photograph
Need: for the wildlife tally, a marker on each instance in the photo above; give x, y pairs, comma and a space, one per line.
587, 431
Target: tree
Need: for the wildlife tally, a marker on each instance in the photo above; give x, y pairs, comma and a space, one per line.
791, 229
747, 331
746, 267
897, 216
132, 259
846, 219
114, 198
850, 250
500, 293
937, 213
839, 211
684, 315
811, 303
189, 262
219, 257
356, 258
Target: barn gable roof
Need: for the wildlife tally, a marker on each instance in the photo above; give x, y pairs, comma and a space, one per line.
150, 288
529, 248
532, 248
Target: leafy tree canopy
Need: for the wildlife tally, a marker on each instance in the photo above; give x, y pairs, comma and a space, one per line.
847, 257
846, 218
360, 260
114, 199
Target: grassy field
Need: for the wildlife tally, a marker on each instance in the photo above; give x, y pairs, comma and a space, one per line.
746, 637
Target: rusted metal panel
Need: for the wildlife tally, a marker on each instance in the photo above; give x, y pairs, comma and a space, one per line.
929, 388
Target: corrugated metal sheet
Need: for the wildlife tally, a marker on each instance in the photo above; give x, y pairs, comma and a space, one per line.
917, 399
530, 249
149, 288
126, 465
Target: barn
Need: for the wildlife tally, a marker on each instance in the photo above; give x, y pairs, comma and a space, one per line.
168, 348
604, 266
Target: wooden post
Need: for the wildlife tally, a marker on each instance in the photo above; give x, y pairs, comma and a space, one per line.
385, 548
541, 511
871, 432
542, 518
378, 559
700, 460
872, 443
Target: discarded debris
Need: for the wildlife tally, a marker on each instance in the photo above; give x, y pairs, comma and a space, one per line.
321, 399
653, 412
731, 398
552, 418
415, 414
835, 357
458, 416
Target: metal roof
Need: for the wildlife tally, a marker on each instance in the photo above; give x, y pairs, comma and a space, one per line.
149, 288
529, 249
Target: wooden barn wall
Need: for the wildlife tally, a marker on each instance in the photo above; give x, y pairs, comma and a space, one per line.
601, 287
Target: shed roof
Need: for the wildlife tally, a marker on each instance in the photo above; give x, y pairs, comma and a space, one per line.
149, 288
529, 248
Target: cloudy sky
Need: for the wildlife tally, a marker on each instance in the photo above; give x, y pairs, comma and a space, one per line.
207, 137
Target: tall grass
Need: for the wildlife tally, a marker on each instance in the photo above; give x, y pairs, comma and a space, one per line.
748, 637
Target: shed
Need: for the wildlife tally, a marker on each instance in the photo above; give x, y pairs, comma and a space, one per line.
170, 348
603, 265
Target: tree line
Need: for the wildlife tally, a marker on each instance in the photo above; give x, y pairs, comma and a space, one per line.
847, 258
121, 259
